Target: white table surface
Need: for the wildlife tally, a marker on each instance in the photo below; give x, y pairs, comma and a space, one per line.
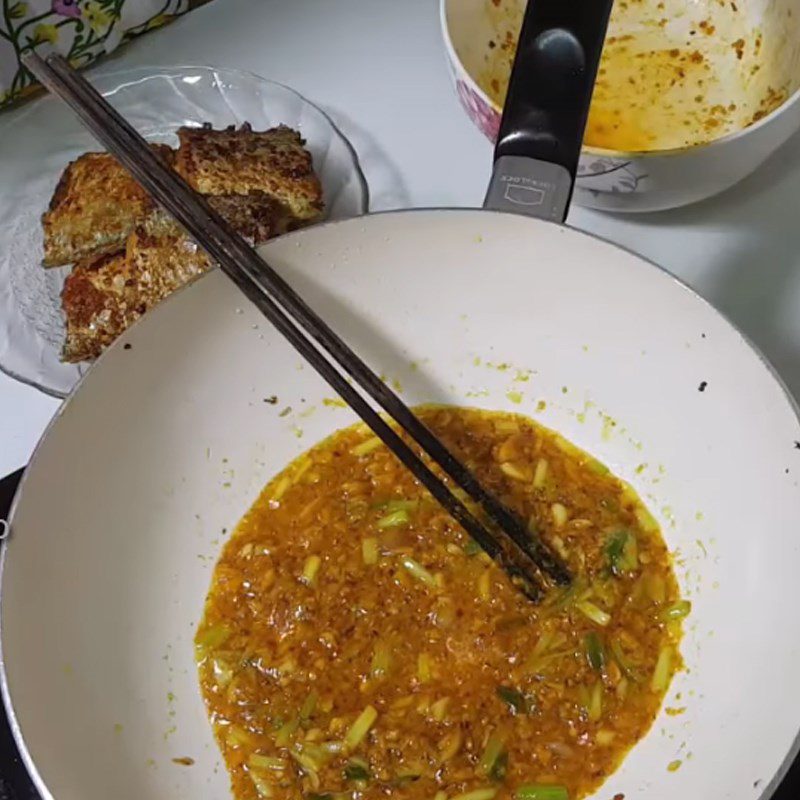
378, 68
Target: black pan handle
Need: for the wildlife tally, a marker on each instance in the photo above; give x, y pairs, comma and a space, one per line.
537, 150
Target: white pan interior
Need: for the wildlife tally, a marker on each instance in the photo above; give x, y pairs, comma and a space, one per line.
166, 444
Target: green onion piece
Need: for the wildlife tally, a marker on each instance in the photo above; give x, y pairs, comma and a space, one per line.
381, 660
360, 728
312, 758
492, 753
310, 570
663, 670
394, 519
400, 505
258, 761
367, 446
416, 570
595, 710
595, 614
309, 704
263, 786
676, 611
517, 701
476, 794
595, 653
541, 791
472, 548
369, 550
213, 636
286, 731
623, 663
239, 737
406, 777
356, 769
622, 552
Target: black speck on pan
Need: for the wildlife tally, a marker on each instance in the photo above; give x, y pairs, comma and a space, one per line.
702, 386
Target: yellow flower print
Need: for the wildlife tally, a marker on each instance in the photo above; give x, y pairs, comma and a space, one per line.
45, 33
96, 16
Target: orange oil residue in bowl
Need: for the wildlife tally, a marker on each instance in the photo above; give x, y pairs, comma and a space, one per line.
673, 74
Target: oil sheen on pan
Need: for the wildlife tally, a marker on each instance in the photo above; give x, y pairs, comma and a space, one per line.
357, 644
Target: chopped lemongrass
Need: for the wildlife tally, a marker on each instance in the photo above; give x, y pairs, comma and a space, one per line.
309, 704
598, 467
263, 786
301, 470
540, 473
592, 612
424, 668
663, 670
366, 446
357, 769
560, 514
646, 520
310, 570
450, 744
258, 761
476, 794
369, 550
286, 731
439, 708
360, 728
280, 488
484, 585
416, 570
541, 791
394, 519
213, 636
517, 701
513, 471
656, 588
492, 753
223, 672
605, 737
595, 710
676, 611
381, 660
594, 651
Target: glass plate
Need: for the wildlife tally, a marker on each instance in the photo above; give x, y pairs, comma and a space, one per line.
42, 139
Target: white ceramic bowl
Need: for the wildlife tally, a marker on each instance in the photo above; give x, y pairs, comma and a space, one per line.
168, 440
734, 89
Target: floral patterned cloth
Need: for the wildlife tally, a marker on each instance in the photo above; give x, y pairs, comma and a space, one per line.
82, 30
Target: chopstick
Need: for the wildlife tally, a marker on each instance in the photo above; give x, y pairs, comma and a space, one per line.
521, 554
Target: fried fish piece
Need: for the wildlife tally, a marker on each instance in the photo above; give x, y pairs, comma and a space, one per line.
103, 297
94, 208
243, 161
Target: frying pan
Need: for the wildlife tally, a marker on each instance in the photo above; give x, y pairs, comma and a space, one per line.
169, 438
